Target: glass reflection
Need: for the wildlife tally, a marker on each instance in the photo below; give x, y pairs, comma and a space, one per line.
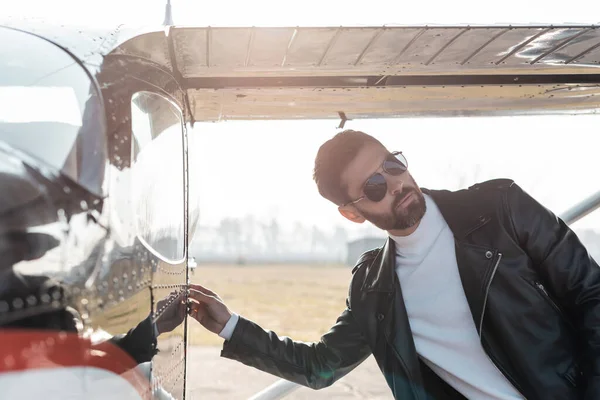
157, 175
51, 109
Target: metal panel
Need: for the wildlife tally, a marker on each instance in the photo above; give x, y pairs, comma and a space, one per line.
308, 46
543, 46
384, 51
190, 50
504, 45
348, 47
574, 47
169, 363
591, 57
228, 46
388, 46
269, 47
363, 102
467, 46
428, 44
151, 46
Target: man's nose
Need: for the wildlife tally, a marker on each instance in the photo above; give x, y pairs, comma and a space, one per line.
395, 184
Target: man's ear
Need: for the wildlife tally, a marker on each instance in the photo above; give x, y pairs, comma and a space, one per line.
352, 214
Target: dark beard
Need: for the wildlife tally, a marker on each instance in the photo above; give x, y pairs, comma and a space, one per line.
410, 216
400, 219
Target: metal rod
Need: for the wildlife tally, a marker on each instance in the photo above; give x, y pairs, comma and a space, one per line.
444, 47
581, 209
373, 40
249, 49
473, 54
525, 43
380, 80
559, 46
289, 46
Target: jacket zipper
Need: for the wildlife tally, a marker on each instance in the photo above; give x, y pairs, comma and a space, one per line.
494, 361
542, 290
487, 292
416, 393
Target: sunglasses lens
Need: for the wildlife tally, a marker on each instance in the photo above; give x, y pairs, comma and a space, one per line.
375, 188
395, 165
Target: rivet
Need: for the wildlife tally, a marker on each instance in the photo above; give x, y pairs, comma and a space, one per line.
31, 300
45, 298
488, 254
380, 317
18, 303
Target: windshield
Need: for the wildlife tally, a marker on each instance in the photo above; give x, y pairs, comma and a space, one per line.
50, 110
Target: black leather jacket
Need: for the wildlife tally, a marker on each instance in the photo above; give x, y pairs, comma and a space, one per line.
533, 291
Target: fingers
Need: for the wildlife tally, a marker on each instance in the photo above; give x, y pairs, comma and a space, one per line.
202, 289
194, 310
200, 314
202, 297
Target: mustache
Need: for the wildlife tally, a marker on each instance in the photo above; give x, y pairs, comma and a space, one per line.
399, 197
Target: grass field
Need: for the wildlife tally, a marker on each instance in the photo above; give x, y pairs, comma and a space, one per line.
299, 301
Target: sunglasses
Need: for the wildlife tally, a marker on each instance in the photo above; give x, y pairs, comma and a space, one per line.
376, 186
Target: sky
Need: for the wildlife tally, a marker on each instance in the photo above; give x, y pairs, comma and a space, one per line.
308, 12
265, 168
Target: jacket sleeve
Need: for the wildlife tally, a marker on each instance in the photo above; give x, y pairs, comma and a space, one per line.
569, 271
315, 365
140, 342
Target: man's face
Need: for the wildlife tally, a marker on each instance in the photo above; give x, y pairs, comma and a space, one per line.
403, 205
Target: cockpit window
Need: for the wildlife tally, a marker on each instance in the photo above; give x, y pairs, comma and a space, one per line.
50, 109
158, 175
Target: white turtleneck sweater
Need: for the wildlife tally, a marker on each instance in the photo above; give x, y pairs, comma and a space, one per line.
440, 319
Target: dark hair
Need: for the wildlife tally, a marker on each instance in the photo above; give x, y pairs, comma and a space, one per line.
332, 158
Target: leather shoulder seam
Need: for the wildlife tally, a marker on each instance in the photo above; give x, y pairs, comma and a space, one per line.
365, 257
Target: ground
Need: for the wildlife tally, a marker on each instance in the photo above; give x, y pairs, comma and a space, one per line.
298, 301
217, 378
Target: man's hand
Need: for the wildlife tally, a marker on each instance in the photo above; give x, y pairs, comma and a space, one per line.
208, 308
171, 312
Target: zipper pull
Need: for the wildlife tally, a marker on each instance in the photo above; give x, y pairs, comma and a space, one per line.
541, 287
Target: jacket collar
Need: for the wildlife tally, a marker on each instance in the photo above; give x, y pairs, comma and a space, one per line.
380, 275
462, 216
